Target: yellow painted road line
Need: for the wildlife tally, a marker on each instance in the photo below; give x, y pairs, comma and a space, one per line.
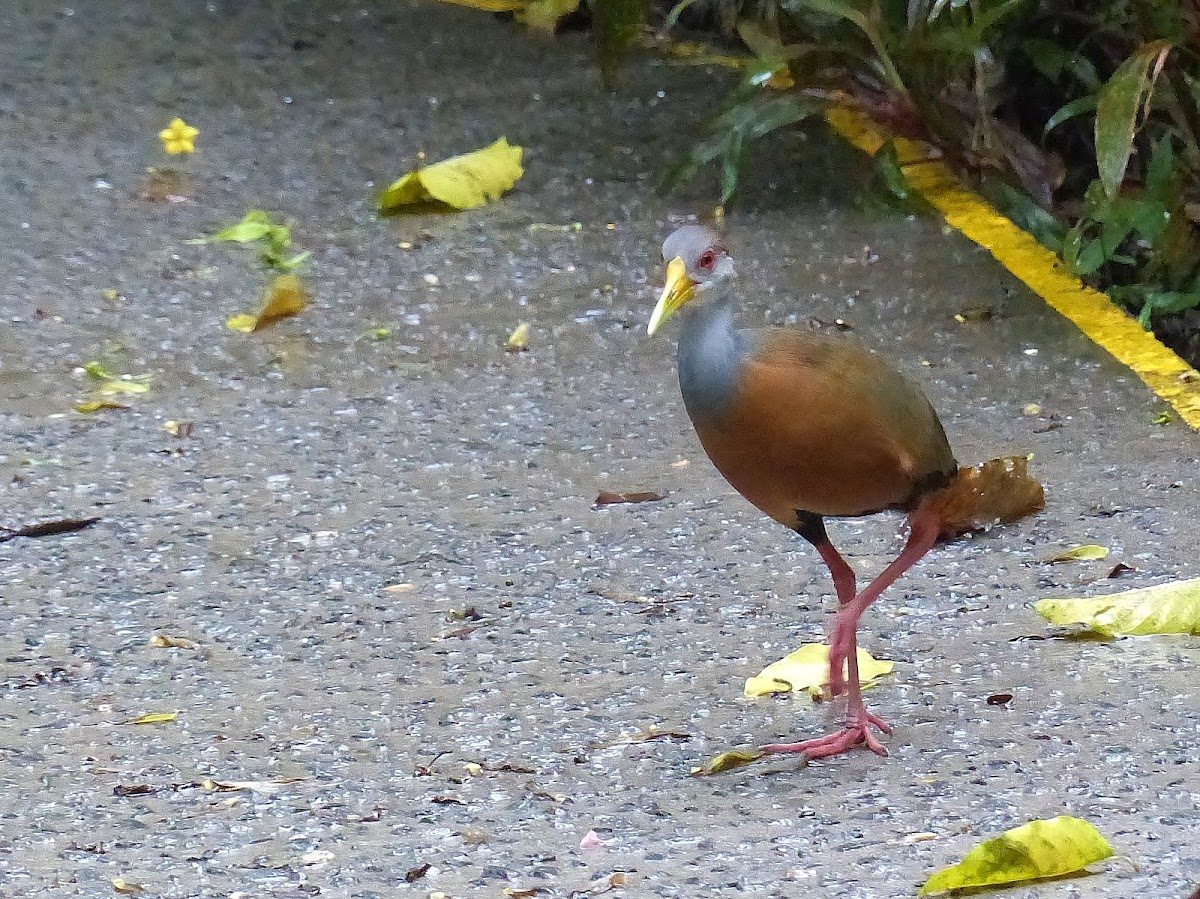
1091, 311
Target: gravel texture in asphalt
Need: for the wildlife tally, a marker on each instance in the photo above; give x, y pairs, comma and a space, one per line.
414, 637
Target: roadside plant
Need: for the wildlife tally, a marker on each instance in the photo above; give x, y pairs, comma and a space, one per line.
1080, 122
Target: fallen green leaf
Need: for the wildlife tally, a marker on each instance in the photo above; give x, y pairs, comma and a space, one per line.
275, 258
127, 384
727, 761
109, 385
259, 226
1172, 608
807, 669
98, 372
1033, 851
543, 15
1089, 552
463, 182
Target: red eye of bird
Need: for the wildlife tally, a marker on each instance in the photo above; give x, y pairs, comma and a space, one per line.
707, 260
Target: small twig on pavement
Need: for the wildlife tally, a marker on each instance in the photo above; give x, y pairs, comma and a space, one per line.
47, 528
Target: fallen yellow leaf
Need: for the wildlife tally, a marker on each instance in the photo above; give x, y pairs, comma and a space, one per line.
1172, 608
125, 887
491, 5
727, 761
1086, 553
518, 340
97, 405
463, 182
284, 297
808, 669
155, 718
1033, 851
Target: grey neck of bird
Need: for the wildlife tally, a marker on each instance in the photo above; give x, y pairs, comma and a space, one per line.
711, 352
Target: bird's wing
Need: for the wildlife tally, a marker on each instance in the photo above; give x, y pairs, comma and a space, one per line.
824, 425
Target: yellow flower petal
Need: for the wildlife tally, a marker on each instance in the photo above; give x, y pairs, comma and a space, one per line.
179, 137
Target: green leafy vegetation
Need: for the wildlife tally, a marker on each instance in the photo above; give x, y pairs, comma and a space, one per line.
1080, 122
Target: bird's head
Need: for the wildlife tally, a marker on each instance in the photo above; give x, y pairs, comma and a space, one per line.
696, 261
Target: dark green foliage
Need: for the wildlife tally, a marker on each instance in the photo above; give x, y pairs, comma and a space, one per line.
616, 24
1080, 121
749, 116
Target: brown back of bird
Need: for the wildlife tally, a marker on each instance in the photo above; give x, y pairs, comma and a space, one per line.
823, 425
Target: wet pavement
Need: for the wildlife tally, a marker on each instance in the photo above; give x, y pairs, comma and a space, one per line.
386, 550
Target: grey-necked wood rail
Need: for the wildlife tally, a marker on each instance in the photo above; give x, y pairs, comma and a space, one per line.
808, 426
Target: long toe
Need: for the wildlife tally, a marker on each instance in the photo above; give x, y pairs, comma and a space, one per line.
836, 743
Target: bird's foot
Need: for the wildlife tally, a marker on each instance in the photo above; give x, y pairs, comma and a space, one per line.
856, 731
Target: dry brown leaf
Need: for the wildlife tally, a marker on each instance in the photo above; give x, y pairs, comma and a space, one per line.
47, 528
997, 491
412, 875
132, 790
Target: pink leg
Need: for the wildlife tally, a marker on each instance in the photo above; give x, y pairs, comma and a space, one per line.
843, 650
